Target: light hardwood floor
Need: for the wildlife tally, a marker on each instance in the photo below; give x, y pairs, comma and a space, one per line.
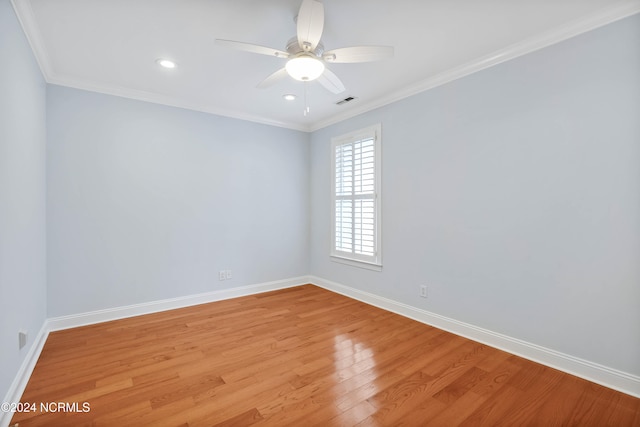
302, 356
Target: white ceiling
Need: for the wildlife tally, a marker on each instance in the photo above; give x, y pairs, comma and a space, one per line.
110, 46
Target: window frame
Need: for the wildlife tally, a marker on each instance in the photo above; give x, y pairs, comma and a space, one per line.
350, 258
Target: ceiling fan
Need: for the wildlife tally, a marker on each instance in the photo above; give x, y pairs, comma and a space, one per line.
306, 55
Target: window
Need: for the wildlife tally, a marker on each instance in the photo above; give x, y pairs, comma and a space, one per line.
355, 197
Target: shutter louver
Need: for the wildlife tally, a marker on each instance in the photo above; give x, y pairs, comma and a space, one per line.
355, 197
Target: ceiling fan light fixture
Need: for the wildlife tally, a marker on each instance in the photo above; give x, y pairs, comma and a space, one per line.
305, 68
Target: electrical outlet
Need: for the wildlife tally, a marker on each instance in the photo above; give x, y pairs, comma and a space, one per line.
423, 291
229, 275
222, 275
22, 339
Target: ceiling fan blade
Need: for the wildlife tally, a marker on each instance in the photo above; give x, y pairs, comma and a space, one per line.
273, 78
310, 24
358, 54
331, 82
253, 48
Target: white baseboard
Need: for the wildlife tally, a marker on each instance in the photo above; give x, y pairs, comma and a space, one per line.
98, 316
24, 373
603, 375
65, 322
608, 377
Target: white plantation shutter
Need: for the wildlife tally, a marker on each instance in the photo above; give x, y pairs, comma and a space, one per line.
355, 196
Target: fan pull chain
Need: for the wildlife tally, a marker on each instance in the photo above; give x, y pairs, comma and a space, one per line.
306, 104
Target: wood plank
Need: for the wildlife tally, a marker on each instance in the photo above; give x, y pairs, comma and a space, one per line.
301, 356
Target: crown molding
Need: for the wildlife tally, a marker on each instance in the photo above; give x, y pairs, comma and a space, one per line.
170, 101
508, 53
26, 17
27, 20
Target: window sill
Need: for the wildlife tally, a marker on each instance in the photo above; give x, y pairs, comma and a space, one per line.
356, 263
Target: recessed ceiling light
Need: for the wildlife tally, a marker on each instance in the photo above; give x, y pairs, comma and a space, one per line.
289, 97
166, 63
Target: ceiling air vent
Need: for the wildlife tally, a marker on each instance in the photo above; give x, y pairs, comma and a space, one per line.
347, 99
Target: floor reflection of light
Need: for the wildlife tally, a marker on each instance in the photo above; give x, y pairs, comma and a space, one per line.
351, 357
356, 372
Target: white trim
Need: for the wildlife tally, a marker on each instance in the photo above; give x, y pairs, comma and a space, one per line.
24, 373
98, 316
27, 20
356, 263
603, 375
171, 101
508, 53
608, 377
351, 258
66, 322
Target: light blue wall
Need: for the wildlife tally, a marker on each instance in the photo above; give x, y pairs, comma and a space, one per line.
514, 195
147, 202
22, 195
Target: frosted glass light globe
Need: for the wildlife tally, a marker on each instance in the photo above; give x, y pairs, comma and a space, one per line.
305, 68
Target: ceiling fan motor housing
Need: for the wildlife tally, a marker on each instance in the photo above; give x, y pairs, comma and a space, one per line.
294, 49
